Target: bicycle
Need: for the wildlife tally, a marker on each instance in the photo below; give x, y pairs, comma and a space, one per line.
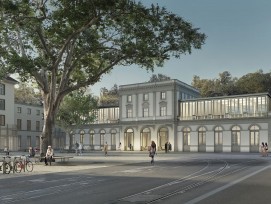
23, 164
6, 166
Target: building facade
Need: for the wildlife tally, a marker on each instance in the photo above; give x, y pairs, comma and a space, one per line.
21, 124
8, 133
171, 111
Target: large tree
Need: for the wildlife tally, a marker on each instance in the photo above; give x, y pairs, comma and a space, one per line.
64, 45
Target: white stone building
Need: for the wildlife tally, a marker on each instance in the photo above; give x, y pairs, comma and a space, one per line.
171, 111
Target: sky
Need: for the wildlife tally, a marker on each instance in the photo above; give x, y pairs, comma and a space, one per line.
238, 40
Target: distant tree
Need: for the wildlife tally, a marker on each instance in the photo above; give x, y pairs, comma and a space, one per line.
26, 93
109, 97
256, 82
206, 87
77, 109
225, 85
64, 45
158, 77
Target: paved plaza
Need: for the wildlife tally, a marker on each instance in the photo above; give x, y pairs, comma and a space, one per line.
128, 177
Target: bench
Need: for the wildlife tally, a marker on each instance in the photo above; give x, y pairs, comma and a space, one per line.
61, 158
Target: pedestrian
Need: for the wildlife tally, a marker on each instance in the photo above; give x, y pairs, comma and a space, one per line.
266, 149
166, 146
49, 155
152, 151
76, 148
105, 149
80, 148
169, 146
31, 152
130, 146
6, 150
119, 146
262, 149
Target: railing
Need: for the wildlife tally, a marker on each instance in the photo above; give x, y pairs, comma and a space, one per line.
228, 115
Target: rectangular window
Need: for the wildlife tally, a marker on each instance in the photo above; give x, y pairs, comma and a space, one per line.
28, 111
29, 141
37, 141
2, 89
129, 113
37, 125
2, 120
19, 109
145, 112
129, 98
2, 104
38, 112
146, 97
29, 125
19, 141
163, 111
19, 124
163, 95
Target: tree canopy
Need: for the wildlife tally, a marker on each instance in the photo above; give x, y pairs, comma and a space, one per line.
158, 77
26, 93
109, 97
77, 109
64, 45
225, 84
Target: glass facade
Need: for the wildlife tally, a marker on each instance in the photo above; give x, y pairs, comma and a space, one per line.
227, 107
107, 115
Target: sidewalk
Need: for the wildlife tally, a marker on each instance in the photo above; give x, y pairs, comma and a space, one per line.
90, 160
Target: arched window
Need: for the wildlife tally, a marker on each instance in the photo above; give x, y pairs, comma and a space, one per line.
113, 137
91, 137
102, 134
236, 135
72, 137
202, 136
186, 136
254, 135
218, 135
82, 133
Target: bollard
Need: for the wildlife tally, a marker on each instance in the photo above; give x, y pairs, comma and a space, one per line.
4, 167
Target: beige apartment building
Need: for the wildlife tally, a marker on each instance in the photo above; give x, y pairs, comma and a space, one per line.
21, 124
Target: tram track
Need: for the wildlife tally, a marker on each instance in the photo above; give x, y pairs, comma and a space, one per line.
210, 173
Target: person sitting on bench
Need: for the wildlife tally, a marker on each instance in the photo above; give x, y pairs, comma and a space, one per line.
49, 155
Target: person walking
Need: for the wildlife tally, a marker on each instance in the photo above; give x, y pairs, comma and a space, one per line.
6, 150
119, 148
262, 149
80, 148
166, 147
49, 155
76, 146
266, 149
31, 152
152, 151
105, 149
169, 147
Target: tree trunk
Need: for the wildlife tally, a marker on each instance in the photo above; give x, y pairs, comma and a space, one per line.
46, 136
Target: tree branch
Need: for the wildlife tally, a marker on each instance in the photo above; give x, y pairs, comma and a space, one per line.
67, 42
39, 32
